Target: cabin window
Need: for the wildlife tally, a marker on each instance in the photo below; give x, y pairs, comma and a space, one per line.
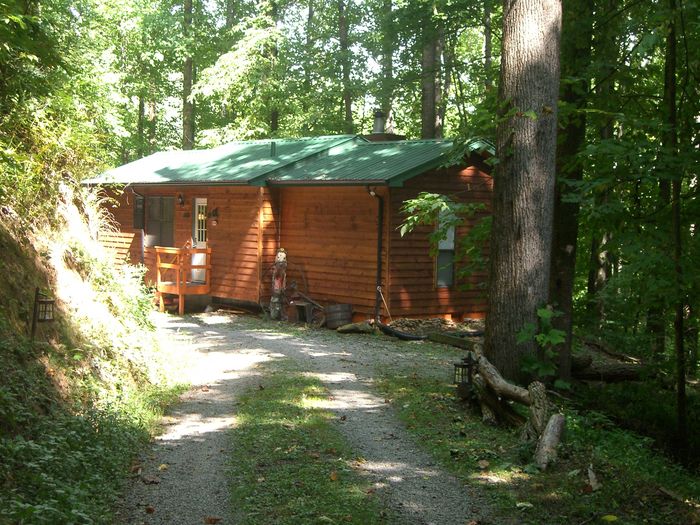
445, 260
139, 208
160, 212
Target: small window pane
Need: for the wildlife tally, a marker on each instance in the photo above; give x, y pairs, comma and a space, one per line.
138, 212
445, 268
159, 223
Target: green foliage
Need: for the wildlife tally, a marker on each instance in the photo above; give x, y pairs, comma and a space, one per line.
543, 365
647, 408
442, 213
292, 465
74, 410
493, 461
61, 460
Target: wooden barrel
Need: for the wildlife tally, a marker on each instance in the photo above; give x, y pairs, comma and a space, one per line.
338, 315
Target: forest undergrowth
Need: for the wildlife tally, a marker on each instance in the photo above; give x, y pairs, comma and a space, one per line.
78, 400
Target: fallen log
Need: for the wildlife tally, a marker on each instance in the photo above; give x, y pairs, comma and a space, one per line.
493, 394
546, 451
499, 385
580, 362
609, 372
452, 340
493, 409
356, 328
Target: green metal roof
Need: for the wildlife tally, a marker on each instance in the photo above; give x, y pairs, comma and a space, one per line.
232, 163
367, 163
328, 160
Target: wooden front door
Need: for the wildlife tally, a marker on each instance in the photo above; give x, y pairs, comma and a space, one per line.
199, 238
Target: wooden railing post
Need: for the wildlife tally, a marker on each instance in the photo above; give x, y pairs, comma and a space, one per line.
179, 261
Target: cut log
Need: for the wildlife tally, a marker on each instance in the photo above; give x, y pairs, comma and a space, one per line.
493, 409
499, 385
539, 412
546, 451
610, 372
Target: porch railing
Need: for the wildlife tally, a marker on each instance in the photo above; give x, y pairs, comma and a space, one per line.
175, 274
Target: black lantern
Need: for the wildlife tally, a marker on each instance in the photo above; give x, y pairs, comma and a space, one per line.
463, 376
43, 309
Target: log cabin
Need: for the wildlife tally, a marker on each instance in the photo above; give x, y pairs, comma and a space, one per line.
210, 222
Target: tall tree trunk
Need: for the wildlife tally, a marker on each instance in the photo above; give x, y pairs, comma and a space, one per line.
599, 271
309, 46
274, 108
656, 315
577, 34
187, 77
231, 13
307, 62
140, 137
428, 89
600, 257
348, 126
448, 62
387, 63
670, 146
430, 59
151, 123
521, 235
439, 100
692, 338
488, 53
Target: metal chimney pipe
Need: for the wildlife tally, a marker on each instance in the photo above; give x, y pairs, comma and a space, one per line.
273, 149
379, 122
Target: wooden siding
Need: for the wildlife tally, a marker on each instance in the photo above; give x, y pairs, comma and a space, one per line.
330, 234
119, 245
413, 291
234, 240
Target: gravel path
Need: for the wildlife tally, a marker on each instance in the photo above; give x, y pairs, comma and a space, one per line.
196, 443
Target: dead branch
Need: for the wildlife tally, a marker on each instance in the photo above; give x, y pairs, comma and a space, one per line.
499, 385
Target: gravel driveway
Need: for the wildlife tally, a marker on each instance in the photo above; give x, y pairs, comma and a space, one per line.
184, 477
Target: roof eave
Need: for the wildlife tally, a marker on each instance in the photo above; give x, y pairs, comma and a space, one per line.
356, 182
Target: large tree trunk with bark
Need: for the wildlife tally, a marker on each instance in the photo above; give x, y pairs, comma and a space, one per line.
577, 33
428, 86
670, 146
187, 77
521, 234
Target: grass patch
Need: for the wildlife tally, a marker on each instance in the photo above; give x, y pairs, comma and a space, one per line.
648, 408
292, 464
630, 471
